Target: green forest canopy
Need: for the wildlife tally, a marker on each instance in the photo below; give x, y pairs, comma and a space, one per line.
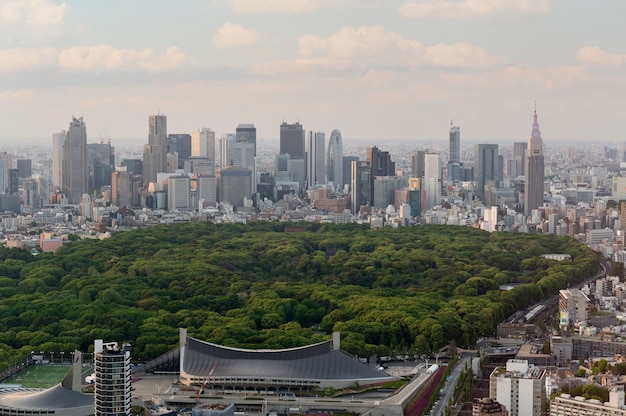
257, 286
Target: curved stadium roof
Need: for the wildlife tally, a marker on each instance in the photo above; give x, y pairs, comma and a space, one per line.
318, 365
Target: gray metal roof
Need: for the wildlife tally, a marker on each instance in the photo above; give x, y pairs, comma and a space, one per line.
313, 362
54, 398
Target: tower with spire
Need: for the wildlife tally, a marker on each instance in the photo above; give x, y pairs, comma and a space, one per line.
533, 189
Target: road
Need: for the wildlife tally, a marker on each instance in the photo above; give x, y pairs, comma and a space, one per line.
447, 390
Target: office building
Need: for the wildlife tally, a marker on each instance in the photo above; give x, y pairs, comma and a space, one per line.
58, 139
246, 133
431, 183
206, 189
24, 168
566, 405
454, 156
380, 165
178, 193
315, 158
203, 145
112, 388
134, 166
199, 164
334, 160
418, 163
225, 143
14, 182
233, 185
155, 152
121, 188
242, 154
5, 165
385, 190
380, 162
347, 169
533, 188
292, 140
360, 188
573, 307
486, 167
519, 387
181, 145
101, 157
519, 154
75, 164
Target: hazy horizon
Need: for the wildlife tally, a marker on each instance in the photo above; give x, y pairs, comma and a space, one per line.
371, 68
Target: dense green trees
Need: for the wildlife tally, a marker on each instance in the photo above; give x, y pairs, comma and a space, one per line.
255, 285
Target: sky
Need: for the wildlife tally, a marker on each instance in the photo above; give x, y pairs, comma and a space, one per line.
375, 69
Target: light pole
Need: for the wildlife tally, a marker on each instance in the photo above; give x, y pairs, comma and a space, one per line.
62, 356
52, 357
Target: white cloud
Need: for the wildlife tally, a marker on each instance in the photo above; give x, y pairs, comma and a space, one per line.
31, 19
26, 59
375, 46
231, 35
469, 9
103, 58
592, 55
274, 6
372, 42
461, 55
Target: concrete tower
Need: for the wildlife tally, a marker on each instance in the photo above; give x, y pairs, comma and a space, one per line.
112, 392
533, 189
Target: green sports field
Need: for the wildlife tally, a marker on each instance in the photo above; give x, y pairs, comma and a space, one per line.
39, 376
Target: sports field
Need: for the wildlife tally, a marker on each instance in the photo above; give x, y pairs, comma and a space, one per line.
39, 376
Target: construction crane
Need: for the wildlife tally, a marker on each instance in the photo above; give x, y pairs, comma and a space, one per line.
206, 380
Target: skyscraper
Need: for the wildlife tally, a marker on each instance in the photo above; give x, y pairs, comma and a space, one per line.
334, 159
5, 165
155, 152
315, 152
380, 165
533, 188
180, 144
418, 163
360, 187
486, 166
292, 140
454, 156
203, 144
246, 133
519, 154
57, 157
432, 180
121, 188
75, 163
112, 389
226, 142
24, 168
101, 163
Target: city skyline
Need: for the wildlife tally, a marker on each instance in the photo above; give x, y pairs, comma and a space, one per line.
369, 68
